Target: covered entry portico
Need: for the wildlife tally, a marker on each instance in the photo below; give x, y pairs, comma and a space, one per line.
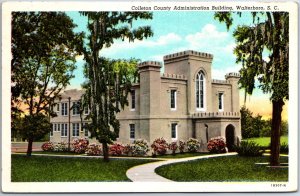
207, 125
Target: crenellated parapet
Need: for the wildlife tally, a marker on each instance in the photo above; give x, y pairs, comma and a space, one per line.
232, 75
187, 53
150, 63
149, 66
216, 115
215, 81
174, 76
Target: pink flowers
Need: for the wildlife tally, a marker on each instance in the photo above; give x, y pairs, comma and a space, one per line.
79, 145
48, 146
160, 146
216, 145
116, 149
181, 146
93, 150
173, 146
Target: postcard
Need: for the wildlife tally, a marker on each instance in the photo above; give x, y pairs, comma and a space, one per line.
141, 96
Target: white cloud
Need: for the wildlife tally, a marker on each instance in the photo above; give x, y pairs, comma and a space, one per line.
207, 37
120, 46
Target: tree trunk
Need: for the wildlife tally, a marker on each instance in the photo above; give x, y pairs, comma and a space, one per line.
29, 148
275, 132
105, 152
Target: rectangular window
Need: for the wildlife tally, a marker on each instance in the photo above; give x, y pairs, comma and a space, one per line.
51, 133
132, 131
75, 127
86, 130
64, 130
76, 109
64, 109
133, 99
58, 127
173, 99
174, 130
55, 127
57, 107
221, 100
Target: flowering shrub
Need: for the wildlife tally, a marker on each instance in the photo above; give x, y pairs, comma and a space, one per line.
193, 145
127, 150
116, 149
61, 147
173, 146
47, 146
216, 145
139, 148
80, 145
181, 146
93, 150
160, 146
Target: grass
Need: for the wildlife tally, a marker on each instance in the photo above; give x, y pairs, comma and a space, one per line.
265, 141
231, 168
63, 169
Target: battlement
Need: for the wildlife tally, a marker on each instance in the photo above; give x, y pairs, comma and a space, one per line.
173, 76
232, 75
150, 63
220, 81
216, 115
187, 53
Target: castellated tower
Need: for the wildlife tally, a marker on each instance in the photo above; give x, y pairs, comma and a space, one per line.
233, 79
150, 87
190, 63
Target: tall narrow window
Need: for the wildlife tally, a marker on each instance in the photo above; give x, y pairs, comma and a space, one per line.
174, 130
86, 130
221, 101
64, 109
200, 91
55, 127
57, 107
76, 108
173, 99
132, 131
75, 127
58, 127
133, 99
64, 130
51, 133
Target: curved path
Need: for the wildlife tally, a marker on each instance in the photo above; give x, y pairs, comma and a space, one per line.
146, 172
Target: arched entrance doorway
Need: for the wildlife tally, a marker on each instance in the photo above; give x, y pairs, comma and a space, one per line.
229, 134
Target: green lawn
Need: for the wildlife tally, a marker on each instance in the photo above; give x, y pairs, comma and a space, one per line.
61, 169
231, 168
265, 141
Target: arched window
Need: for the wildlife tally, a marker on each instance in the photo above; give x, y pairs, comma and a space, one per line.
200, 91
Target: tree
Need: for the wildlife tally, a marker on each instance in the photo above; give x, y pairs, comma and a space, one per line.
269, 34
109, 81
44, 48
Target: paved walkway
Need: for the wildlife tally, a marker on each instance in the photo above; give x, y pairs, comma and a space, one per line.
146, 172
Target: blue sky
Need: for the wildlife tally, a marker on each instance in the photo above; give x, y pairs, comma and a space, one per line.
175, 32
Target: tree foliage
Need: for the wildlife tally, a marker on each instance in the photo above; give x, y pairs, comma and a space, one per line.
255, 126
109, 81
268, 34
44, 48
